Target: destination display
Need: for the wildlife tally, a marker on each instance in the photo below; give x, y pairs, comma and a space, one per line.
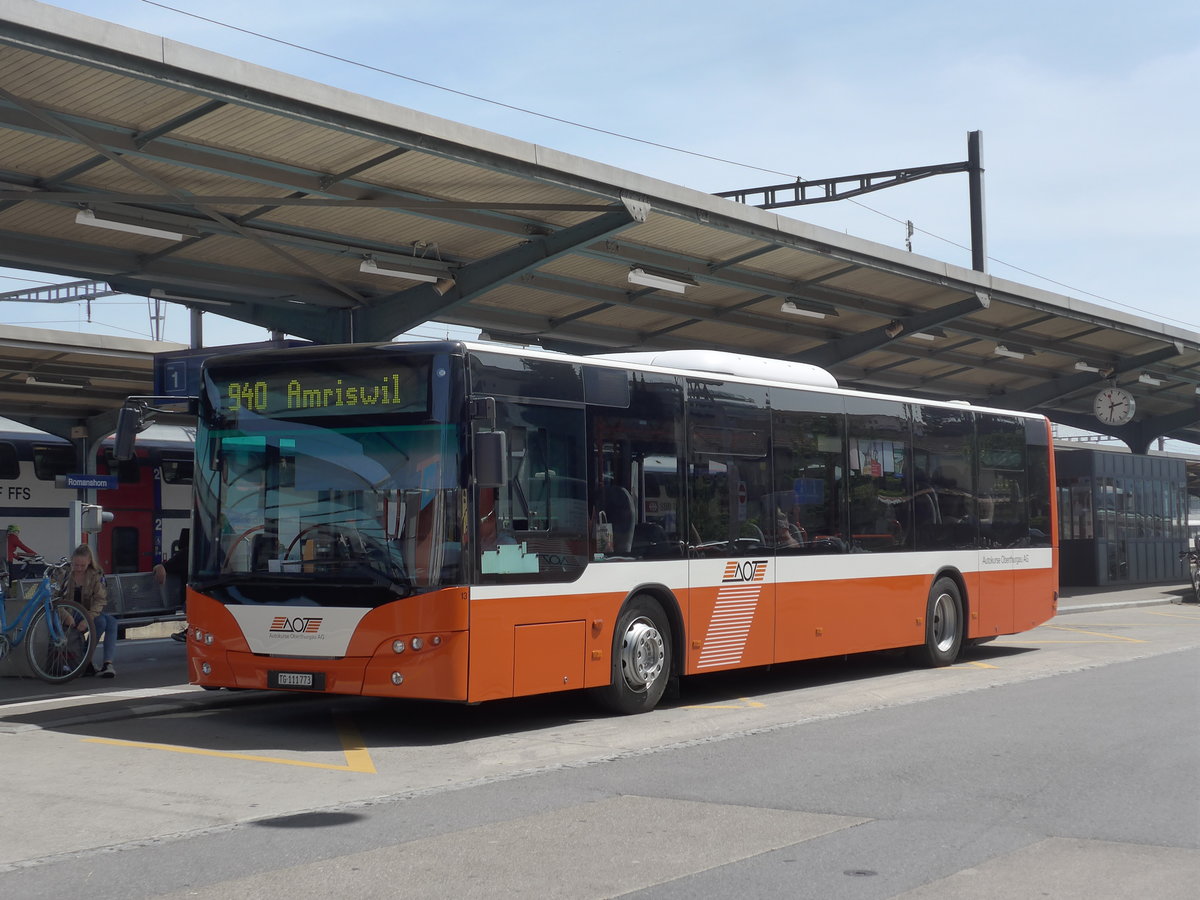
285, 393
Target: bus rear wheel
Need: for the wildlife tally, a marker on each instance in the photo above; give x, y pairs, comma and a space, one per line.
944, 626
641, 658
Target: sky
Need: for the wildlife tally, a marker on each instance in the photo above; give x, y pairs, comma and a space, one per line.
1087, 108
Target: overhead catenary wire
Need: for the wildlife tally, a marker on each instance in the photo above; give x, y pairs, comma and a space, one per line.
905, 223
644, 141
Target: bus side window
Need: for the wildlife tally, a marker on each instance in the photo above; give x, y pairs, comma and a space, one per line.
808, 463
728, 470
881, 478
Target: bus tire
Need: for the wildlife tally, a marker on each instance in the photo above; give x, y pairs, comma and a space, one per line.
641, 658
944, 626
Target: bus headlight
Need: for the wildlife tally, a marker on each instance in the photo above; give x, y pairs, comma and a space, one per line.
397, 647
397, 679
206, 668
417, 643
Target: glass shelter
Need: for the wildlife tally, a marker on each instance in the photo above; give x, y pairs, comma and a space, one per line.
1122, 518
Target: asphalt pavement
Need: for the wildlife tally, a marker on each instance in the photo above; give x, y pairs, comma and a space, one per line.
1057, 763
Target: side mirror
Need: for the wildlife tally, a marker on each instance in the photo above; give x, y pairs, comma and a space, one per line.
129, 423
491, 459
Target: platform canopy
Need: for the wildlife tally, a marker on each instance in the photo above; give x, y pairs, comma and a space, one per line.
58, 380
173, 172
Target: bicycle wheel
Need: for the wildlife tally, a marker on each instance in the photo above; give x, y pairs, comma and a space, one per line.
58, 652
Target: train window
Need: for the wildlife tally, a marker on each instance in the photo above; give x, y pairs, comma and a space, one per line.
128, 471
125, 550
50, 462
178, 471
10, 465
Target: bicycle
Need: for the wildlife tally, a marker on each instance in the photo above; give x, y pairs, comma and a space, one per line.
1192, 558
47, 625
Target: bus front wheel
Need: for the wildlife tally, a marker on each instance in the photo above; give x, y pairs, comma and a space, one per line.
944, 626
641, 658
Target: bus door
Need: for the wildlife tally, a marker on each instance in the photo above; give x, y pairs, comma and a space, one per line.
1003, 520
730, 528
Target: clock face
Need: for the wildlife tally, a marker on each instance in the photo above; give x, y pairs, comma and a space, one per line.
1114, 406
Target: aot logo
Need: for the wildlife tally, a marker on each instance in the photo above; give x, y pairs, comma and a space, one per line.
284, 625
752, 570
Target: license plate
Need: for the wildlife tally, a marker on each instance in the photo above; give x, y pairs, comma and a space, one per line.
297, 681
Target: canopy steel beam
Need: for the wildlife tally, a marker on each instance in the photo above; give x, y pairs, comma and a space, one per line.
1139, 436
428, 301
849, 347
1068, 384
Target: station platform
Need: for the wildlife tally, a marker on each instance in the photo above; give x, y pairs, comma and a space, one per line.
1087, 599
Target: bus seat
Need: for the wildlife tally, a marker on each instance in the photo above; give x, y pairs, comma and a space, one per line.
649, 541
622, 513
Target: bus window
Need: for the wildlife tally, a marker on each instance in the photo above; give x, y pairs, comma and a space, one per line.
944, 514
635, 430
535, 528
809, 460
1038, 473
880, 475
729, 490
1003, 514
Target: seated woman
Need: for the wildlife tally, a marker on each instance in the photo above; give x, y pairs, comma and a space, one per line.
84, 582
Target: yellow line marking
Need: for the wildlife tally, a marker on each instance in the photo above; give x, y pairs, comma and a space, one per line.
357, 757
977, 665
746, 703
1115, 637
1184, 616
1042, 643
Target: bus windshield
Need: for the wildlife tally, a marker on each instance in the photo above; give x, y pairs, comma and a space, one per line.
340, 491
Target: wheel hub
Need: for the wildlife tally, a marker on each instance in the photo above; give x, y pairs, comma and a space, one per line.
945, 622
642, 654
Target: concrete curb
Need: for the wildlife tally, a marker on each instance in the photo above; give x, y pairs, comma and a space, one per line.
1117, 604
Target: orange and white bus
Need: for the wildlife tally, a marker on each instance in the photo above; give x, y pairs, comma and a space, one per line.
467, 522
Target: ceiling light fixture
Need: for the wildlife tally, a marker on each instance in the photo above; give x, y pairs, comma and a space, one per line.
929, 334
1147, 378
42, 381
371, 267
1011, 352
1086, 367
89, 218
794, 306
660, 280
